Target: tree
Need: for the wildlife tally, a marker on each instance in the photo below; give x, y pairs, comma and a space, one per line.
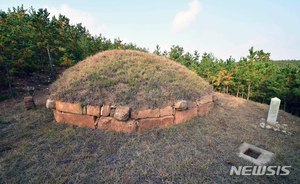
176, 52
157, 50
46, 31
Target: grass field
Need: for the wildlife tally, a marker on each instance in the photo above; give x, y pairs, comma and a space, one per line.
35, 149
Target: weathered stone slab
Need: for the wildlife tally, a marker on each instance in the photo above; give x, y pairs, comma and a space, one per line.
69, 107
273, 111
149, 113
105, 110
102, 121
263, 156
93, 110
191, 104
167, 111
204, 109
58, 116
205, 99
50, 104
183, 116
122, 113
149, 123
181, 105
109, 123
79, 120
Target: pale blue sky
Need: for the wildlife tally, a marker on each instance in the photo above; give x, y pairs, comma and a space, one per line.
223, 27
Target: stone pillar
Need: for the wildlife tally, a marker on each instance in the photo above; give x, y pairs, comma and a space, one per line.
29, 102
273, 111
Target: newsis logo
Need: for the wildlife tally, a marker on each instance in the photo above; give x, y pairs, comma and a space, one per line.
260, 170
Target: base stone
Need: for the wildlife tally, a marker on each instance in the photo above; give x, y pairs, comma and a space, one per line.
109, 123
204, 109
93, 110
149, 123
79, 120
69, 107
183, 116
149, 113
121, 119
256, 155
58, 116
74, 119
167, 111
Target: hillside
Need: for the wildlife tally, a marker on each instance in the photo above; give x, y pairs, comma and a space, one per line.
35, 149
292, 63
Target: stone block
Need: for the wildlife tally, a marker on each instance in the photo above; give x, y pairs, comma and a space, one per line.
50, 104
93, 110
109, 123
181, 105
183, 116
254, 154
149, 113
191, 104
58, 116
149, 123
122, 113
167, 111
103, 121
204, 109
105, 110
79, 120
205, 99
69, 107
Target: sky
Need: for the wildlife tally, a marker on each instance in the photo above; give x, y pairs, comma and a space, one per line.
222, 27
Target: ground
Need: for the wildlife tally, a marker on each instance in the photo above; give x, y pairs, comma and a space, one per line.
35, 149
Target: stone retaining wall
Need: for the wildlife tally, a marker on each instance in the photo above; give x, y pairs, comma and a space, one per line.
121, 119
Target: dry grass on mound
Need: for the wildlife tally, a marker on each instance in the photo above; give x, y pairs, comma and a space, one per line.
35, 149
126, 77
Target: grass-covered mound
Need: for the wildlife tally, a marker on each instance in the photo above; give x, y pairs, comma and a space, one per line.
127, 77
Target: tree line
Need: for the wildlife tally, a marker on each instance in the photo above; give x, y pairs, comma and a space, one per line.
33, 42
254, 77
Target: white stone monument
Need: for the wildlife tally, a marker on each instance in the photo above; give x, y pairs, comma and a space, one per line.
273, 111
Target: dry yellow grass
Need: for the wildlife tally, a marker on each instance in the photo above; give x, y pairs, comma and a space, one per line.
35, 149
127, 77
